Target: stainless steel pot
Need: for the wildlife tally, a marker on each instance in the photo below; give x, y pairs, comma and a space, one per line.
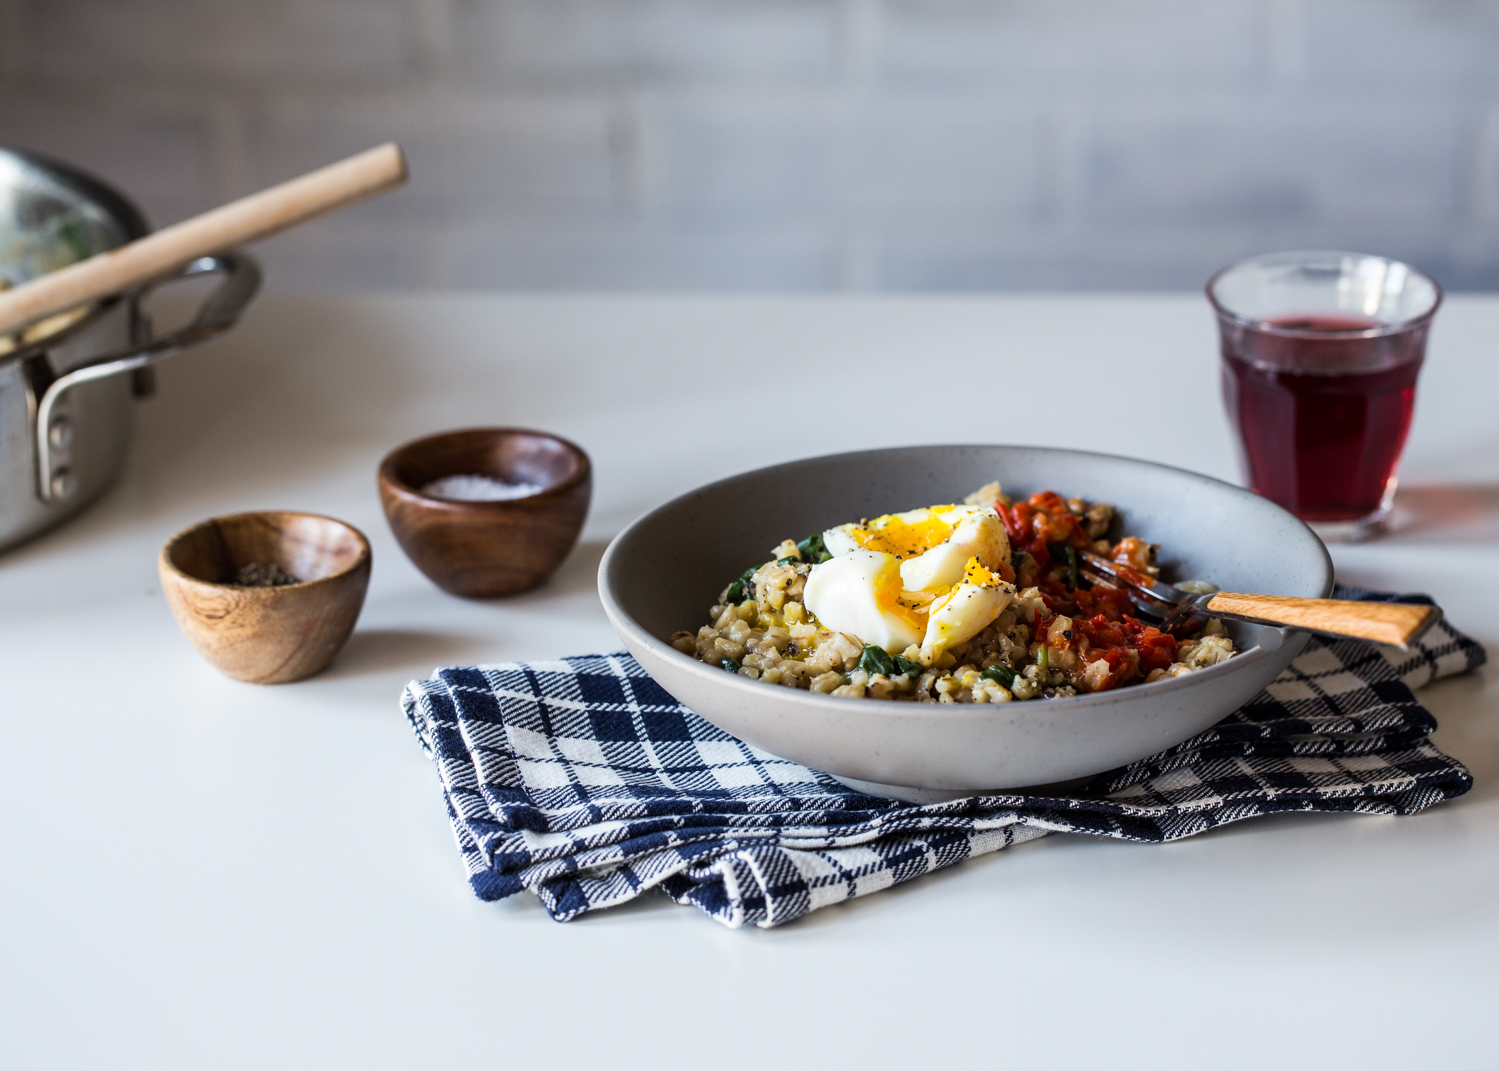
67, 384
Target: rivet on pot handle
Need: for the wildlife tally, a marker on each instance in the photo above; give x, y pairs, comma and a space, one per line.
53, 431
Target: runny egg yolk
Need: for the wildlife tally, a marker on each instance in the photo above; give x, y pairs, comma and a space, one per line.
905, 535
926, 577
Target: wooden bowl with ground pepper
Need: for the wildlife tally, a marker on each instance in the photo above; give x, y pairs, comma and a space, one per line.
267, 597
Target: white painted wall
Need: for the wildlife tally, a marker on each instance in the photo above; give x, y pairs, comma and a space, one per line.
792, 144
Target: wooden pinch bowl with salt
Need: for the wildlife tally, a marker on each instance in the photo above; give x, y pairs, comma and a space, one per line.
267, 597
486, 512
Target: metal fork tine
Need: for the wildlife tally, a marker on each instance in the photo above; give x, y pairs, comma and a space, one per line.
1147, 606
1144, 605
1178, 619
1149, 609
1143, 598
1154, 589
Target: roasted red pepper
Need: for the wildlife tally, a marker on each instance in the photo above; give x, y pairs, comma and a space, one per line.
1103, 629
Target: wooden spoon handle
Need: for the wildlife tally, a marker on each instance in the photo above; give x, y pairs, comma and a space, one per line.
238, 223
1379, 622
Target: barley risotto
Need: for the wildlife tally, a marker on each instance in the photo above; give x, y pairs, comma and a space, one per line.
981, 602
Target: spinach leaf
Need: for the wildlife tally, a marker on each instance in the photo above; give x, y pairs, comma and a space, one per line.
906, 666
875, 660
814, 551
736, 589
1002, 674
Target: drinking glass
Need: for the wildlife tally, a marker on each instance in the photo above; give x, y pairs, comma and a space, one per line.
1320, 356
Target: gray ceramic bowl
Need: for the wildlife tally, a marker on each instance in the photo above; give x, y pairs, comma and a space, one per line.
663, 572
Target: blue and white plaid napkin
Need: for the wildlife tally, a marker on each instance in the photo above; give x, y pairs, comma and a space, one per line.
582, 780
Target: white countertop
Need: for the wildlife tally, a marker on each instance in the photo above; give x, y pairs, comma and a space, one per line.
203, 873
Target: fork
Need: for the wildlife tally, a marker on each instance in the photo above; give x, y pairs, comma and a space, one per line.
1183, 612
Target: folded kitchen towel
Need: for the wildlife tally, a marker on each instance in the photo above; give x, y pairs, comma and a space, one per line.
582, 780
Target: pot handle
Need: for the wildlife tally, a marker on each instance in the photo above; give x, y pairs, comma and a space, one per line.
219, 312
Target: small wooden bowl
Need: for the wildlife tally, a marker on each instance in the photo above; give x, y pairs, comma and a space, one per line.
486, 549
267, 635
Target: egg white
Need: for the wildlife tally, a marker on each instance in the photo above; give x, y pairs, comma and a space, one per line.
858, 593
965, 611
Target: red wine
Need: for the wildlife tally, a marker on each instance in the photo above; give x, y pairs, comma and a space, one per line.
1321, 410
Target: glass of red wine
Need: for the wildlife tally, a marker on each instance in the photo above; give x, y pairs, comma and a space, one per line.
1320, 355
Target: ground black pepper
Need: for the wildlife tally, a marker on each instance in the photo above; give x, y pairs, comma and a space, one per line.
258, 575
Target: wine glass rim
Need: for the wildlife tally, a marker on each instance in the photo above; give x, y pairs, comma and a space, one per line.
1311, 256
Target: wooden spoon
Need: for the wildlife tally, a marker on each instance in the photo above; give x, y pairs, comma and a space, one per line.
238, 223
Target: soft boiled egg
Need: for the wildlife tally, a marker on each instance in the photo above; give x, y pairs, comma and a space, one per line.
927, 577
860, 593
966, 609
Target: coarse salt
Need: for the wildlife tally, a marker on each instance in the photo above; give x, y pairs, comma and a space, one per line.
479, 488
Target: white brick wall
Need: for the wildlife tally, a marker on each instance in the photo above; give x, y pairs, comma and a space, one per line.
802, 144
641, 43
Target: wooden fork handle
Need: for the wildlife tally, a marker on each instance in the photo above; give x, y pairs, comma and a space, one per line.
1395, 623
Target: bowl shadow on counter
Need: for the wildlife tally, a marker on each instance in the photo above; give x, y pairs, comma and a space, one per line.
413, 652
416, 652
